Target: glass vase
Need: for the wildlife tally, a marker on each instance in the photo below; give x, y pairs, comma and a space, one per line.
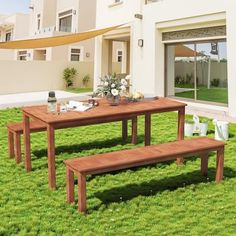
113, 100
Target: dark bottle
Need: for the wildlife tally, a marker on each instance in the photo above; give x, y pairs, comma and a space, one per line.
52, 102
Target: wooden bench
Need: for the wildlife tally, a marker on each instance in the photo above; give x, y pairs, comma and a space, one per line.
124, 159
15, 130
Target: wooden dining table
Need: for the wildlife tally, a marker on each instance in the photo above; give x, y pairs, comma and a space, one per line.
104, 113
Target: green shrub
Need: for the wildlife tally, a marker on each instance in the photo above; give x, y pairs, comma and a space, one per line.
68, 75
86, 80
215, 82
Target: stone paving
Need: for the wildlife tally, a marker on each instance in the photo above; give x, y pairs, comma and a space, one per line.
37, 98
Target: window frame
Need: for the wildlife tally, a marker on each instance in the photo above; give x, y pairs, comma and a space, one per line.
81, 53
60, 15
118, 56
21, 56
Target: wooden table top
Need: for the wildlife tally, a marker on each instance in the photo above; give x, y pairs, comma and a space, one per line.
105, 110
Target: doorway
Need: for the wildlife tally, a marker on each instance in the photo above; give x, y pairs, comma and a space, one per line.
197, 71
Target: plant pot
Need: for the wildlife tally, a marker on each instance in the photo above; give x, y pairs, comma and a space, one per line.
203, 129
221, 130
188, 129
113, 100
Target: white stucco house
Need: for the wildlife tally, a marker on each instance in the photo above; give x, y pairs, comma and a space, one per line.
13, 27
183, 49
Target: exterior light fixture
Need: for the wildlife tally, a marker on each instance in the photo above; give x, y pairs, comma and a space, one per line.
138, 16
31, 7
87, 54
140, 43
74, 12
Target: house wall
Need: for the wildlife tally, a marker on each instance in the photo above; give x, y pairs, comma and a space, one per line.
148, 62
22, 76
195, 14
19, 26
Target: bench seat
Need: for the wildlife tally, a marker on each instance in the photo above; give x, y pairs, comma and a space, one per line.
119, 160
15, 130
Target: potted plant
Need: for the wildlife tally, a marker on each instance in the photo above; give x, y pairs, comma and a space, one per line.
112, 87
188, 128
68, 75
85, 80
203, 127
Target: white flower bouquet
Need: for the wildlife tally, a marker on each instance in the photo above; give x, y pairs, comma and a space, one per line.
112, 87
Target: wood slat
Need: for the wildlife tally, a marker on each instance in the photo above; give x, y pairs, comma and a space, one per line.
35, 126
140, 156
104, 110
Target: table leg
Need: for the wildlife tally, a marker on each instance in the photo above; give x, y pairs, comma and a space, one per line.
147, 129
220, 165
204, 164
181, 120
51, 157
134, 130
26, 127
124, 129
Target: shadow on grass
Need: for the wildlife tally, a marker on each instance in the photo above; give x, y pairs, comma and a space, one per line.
77, 148
153, 187
211, 131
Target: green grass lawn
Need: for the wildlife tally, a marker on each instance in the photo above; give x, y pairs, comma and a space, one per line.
79, 90
219, 95
162, 199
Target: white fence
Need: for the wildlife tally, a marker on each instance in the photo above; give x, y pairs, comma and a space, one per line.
30, 76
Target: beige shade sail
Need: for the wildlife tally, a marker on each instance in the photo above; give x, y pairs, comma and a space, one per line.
183, 51
55, 41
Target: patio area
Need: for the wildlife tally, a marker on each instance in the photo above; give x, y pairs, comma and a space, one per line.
37, 98
121, 202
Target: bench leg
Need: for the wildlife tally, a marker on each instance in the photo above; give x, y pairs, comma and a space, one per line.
147, 129
81, 193
124, 130
219, 165
134, 130
17, 148
204, 164
10, 144
70, 197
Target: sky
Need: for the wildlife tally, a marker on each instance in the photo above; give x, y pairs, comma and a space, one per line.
8, 7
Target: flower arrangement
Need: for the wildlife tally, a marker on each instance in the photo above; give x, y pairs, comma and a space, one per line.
112, 87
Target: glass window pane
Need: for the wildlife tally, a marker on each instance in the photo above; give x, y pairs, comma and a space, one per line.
75, 57
212, 72
180, 70
65, 24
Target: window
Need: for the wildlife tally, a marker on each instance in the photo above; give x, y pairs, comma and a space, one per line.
38, 22
119, 56
198, 71
75, 54
22, 55
8, 36
65, 21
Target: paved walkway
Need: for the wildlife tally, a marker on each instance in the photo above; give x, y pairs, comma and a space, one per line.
210, 111
36, 98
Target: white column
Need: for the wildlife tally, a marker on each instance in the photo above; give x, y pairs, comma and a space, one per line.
124, 58
170, 72
97, 61
231, 49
